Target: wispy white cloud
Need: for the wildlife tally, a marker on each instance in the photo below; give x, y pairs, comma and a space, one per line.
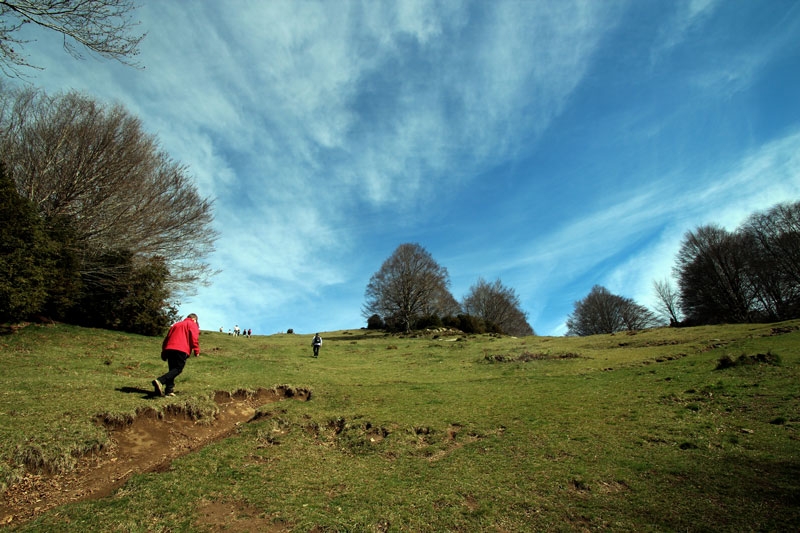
723, 64
325, 129
435, 98
755, 182
686, 16
453, 93
570, 259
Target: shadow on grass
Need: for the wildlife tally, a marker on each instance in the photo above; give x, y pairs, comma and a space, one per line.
146, 393
354, 337
740, 494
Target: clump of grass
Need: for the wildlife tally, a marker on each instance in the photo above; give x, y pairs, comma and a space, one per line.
527, 356
360, 438
201, 410
115, 420
290, 391
10, 475
580, 485
769, 358
44, 460
52, 455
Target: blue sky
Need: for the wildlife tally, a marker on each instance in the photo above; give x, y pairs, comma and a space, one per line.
554, 145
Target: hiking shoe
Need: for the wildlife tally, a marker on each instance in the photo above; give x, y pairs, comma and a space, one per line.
158, 387
170, 394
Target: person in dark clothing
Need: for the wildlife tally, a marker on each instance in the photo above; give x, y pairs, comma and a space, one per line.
183, 339
316, 343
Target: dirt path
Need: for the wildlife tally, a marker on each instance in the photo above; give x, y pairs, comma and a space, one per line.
149, 444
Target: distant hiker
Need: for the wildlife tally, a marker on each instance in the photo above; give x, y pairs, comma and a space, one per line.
236, 330
183, 339
316, 343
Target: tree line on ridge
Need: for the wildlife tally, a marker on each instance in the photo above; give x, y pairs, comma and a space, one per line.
751, 274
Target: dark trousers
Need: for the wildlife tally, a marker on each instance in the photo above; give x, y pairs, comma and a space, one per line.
316, 350
176, 361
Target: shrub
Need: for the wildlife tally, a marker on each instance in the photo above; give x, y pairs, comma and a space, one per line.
470, 324
394, 324
769, 358
725, 362
428, 321
375, 322
450, 322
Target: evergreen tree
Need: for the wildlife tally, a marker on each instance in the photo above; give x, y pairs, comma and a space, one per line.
24, 264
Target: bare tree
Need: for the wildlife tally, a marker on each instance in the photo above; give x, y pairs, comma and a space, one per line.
636, 316
773, 241
604, 312
93, 166
409, 284
442, 304
104, 27
668, 300
497, 304
712, 272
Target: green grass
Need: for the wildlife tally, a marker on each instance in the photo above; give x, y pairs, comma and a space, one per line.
619, 432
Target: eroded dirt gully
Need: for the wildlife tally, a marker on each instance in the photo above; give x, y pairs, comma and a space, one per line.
147, 443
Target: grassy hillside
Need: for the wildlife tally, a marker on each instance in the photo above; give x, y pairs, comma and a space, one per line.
665, 430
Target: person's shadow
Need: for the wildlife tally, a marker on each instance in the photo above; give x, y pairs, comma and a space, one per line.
146, 393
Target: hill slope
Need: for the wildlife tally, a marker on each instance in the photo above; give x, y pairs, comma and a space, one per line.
668, 429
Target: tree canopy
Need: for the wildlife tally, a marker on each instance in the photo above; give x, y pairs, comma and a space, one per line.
603, 312
24, 265
409, 285
411, 290
118, 226
80, 161
748, 274
497, 305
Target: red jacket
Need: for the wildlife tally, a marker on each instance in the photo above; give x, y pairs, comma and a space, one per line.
183, 336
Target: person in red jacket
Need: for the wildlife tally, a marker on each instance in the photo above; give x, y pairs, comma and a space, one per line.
183, 339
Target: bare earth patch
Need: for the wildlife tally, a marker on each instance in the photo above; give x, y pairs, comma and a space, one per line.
148, 444
235, 517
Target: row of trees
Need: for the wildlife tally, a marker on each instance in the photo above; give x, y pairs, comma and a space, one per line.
411, 290
750, 274
100, 226
746, 275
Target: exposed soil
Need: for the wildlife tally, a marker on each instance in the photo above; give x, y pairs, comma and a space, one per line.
235, 517
149, 443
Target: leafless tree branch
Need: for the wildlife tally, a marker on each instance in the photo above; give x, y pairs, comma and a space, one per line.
104, 27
